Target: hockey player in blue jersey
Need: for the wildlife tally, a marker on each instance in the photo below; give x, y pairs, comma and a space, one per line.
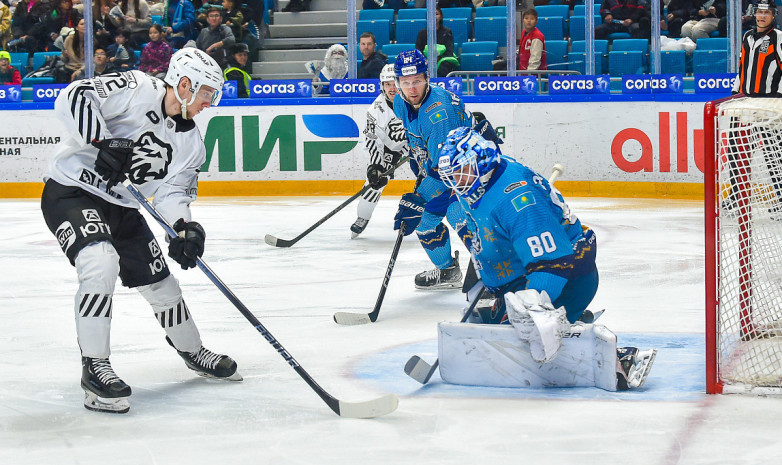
526, 239
428, 113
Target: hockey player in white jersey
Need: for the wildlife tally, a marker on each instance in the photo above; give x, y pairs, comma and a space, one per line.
386, 143
136, 126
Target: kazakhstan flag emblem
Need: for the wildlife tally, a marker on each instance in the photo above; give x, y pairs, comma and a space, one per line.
438, 116
523, 200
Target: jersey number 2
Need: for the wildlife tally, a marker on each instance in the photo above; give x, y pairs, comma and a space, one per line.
538, 245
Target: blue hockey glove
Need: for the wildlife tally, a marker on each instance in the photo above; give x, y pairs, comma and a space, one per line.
411, 207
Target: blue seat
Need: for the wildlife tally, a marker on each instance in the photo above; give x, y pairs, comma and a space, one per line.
396, 49
491, 28
481, 47
40, 57
576, 61
476, 61
156, 19
556, 54
553, 10
629, 45
490, 12
412, 13
601, 47
19, 57
709, 61
625, 62
376, 14
460, 28
578, 26
673, 62
457, 12
552, 27
579, 10
381, 28
407, 30
30, 81
712, 43
619, 36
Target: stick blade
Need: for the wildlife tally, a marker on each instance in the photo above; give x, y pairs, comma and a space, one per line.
276, 241
369, 409
351, 319
419, 370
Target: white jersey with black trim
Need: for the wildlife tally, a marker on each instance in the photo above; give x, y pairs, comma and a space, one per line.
384, 134
168, 151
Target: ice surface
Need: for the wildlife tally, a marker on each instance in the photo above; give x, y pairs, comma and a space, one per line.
650, 258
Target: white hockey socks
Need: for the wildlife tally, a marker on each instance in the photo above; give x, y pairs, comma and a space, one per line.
165, 297
537, 322
97, 267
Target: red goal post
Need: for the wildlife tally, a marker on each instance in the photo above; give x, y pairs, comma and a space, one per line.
743, 235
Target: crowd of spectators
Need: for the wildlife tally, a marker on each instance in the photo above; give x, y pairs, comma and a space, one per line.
127, 34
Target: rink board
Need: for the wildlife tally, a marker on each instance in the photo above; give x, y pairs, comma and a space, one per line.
625, 148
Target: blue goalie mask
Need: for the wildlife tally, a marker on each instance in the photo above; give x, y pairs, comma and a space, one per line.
467, 162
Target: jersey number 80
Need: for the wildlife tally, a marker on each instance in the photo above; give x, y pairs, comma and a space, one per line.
538, 245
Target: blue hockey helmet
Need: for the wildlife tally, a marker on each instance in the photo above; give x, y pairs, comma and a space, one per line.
467, 162
410, 63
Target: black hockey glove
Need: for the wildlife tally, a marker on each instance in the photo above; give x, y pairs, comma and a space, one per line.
411, 208
375, 176
113, 159
189, 243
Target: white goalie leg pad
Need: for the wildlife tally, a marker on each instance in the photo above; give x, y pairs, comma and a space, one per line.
537, 322
172, 313
97, 267
493, 355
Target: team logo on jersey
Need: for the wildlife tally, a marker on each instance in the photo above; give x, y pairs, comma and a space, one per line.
154, 249
151, 157
87, 177
91, 214
523, 200
169, 124
65, 235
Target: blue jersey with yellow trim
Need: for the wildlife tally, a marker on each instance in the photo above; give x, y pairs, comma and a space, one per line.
427, 127
522, 226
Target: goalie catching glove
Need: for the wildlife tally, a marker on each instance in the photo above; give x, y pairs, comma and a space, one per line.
188, 245
537, 322
375, 176
411, 208
113, 159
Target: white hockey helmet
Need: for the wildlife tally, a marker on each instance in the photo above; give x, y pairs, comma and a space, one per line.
200, 69
387, 73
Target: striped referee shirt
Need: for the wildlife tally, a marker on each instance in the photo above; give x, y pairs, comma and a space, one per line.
760, 65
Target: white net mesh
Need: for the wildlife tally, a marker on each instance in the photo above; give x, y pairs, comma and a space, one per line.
749, 242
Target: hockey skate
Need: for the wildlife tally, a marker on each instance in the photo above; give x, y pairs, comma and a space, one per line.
104, 391
358, 227
209, 364
447, 278
635, 366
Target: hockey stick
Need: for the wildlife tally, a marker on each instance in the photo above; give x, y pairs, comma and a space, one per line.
367, 409
347, 318
277, 242
421, 371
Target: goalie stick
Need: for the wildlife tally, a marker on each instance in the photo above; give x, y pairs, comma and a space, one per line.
420, 370
367, 409
348, 318
277, 242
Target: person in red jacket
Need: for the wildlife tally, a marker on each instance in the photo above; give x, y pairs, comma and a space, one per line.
532, 45
8, 74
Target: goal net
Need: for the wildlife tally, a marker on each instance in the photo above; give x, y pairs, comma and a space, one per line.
743, 200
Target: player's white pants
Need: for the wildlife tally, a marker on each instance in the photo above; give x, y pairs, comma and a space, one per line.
97, 267
369, 201
171, 312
